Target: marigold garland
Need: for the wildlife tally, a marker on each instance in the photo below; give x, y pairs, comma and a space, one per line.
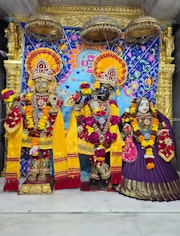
28, 109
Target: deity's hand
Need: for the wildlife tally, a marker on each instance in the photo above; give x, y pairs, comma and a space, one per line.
55, 101
77, 97
11, 99
127, 129
163, 130
60, 102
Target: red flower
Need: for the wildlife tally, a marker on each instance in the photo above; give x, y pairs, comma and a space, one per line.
100, 153
89, 121
113, 102
100, 113
115, 120
94, 137
59, 103
84, 85
7, 94
52, 119
110, 137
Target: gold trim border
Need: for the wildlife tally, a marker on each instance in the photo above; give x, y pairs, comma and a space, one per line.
76, 16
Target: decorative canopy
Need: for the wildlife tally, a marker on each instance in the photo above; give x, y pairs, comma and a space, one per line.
142, 27
44, 27
100, 30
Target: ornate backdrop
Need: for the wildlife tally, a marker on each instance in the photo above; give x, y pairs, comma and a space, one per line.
149, 65
77, 58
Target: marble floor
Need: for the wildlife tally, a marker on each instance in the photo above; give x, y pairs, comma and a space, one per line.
74, 213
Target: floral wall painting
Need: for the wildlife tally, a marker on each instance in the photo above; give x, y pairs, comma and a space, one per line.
77, 58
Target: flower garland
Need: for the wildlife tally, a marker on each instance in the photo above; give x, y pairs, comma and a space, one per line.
30, 121
101, 138
8, 95
130, 117
85, 88
14, 117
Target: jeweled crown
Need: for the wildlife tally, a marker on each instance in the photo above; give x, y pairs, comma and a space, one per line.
110, 68
42, 70
43, 62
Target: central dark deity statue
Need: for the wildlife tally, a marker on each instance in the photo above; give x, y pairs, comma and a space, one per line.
97, 121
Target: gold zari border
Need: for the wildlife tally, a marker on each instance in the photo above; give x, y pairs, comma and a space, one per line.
35, 189
151, 191
44, 142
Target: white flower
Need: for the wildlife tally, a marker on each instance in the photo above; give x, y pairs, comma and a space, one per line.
168, 141
34, 150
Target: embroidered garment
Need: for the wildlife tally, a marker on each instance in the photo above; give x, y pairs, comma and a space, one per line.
129, 151
160, 183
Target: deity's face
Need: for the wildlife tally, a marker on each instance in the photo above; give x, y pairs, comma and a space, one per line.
104, 92
41, 85
143, 106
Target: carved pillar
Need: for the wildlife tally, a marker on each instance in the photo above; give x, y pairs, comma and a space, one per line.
13, 72
164, 91
166, 70
13, 65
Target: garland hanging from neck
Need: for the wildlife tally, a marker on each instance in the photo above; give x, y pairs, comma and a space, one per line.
146, 143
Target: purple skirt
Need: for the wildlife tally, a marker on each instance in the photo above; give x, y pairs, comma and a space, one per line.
159, 184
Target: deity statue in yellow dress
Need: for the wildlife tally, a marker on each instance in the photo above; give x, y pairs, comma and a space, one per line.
35, 122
